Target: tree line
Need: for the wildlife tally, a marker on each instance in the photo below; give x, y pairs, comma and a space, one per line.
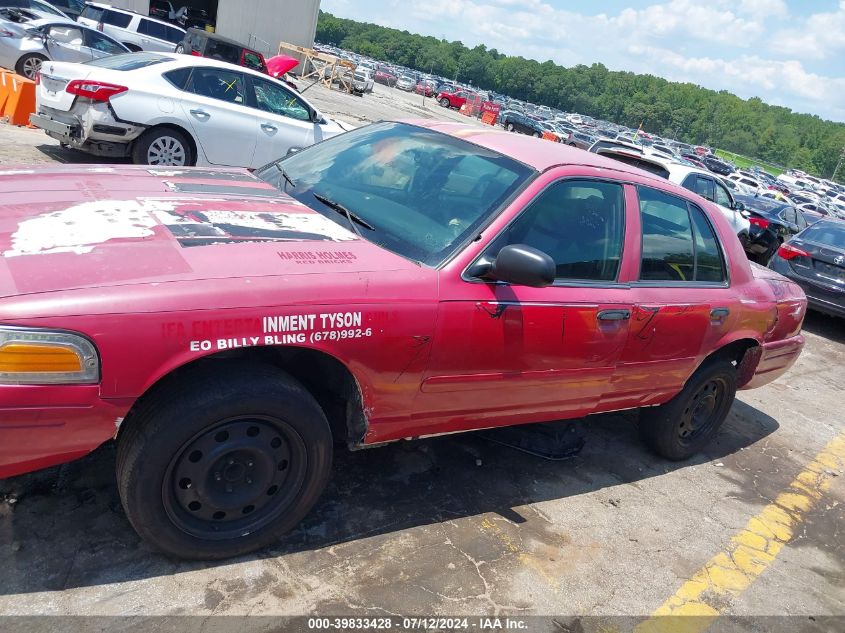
682, 111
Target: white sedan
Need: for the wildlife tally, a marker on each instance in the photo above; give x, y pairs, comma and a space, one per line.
176, 110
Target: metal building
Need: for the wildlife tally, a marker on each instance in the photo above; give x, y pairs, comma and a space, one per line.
261, 24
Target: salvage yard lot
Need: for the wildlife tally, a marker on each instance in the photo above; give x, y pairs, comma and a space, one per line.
461, 525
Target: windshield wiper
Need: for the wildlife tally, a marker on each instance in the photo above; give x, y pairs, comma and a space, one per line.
354, 220
285, 176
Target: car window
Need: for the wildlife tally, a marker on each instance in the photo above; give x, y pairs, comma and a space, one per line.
172, 35
66, 35
92, 13
222, 51
99, 42
709, 263
114, 18
667, 251
802, 222
789, 215
579, 224
722, 196
254, 61
272, 98
704, 187
179, 77
218, 83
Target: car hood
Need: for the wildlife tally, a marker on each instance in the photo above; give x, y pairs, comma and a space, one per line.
98, 228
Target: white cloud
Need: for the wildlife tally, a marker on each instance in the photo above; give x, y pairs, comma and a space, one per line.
820, 36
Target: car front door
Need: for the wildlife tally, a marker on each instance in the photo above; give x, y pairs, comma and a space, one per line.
65, 43
283, 121
506, 353
683, 301
215, 106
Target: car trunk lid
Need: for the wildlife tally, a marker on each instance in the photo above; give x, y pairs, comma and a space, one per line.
55, 77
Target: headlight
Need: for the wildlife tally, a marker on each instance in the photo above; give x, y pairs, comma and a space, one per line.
39, 357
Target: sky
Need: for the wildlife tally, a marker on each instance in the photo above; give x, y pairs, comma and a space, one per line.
787, 53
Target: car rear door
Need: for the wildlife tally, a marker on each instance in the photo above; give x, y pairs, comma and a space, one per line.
506, 353
99, 45
683, 303
215, 106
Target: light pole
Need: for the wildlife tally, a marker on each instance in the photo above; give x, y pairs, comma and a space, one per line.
838, 164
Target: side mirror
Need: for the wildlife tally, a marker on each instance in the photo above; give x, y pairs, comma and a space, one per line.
316, 117
523, 265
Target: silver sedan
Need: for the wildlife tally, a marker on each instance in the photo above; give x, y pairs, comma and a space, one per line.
26, 44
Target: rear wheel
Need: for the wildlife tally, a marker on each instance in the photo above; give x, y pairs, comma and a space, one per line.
30, 65
180, 49
444, 102
683, 426
509, 127
536, 135
163, 147
224, 464
573, 145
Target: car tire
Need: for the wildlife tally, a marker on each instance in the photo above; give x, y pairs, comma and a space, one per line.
536, 135
573, 145
29, 65
223, 463
180, 49
509, 127
680, 428
170, 146
444, 102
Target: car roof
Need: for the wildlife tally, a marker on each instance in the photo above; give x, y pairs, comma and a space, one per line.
100, 5
217, 38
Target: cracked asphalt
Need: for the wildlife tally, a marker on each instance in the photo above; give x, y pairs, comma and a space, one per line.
462, 524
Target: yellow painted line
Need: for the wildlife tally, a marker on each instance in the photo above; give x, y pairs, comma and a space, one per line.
750, 551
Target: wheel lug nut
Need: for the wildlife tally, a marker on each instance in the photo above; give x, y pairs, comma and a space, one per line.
248, 480
250, 463
230, 461
218, 476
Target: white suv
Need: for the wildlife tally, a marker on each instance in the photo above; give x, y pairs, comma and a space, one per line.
137, 32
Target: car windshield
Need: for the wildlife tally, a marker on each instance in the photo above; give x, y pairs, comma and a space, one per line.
423, 193
826, 234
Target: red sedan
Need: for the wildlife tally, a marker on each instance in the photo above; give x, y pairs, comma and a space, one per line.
401, 280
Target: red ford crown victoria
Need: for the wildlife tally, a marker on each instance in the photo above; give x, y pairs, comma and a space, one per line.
398, 281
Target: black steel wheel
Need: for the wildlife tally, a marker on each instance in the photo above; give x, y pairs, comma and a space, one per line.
223, 460
235, 477
682, 427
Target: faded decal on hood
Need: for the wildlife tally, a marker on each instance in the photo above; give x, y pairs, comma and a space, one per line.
202, 228
80, 228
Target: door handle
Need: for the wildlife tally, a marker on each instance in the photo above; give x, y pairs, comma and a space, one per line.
200, 113
614, 315
717, 314
268, 127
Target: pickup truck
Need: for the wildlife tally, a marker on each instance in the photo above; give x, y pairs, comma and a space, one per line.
230, 330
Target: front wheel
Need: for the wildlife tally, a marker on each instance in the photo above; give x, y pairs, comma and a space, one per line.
444, 102
683, 426
224, 463
509, 127
536, 135
163, 147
